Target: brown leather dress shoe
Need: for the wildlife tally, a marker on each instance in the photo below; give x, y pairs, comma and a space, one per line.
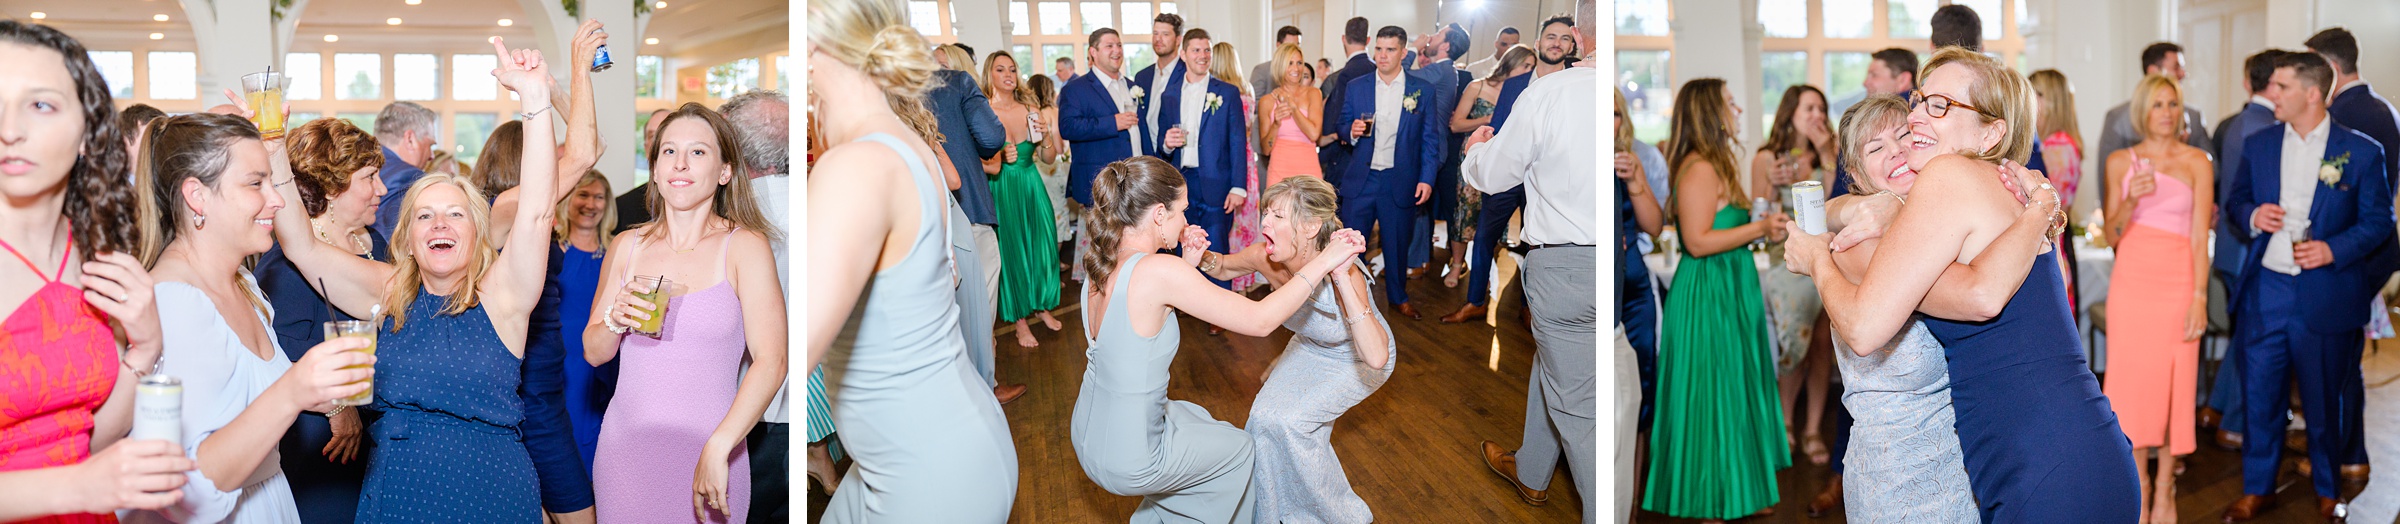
2246, 508
2333, 510
1828, 500
2228, 440
1466, 313
2355, 472
1408, 310
1008, 392
2209, 418
1504, 463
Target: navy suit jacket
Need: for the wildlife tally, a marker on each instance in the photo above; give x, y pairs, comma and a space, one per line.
2369, 113
1087, 119
1336, 155
2351, 216
1416, 155
397, 177
1141, 84
970, 133
1224, 145
2233, 137
1507, 103
1443, 76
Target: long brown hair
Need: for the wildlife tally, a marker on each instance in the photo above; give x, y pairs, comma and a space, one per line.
1517, 56
103, 211
1121, 196
733, 201
1786, 134
1020, 94
1699, 133
497, 168
408, 277
2057, 105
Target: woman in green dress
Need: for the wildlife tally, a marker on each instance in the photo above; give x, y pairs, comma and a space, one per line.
1717, 439
1028, 234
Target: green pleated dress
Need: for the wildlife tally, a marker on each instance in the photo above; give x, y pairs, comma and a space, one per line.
1718, 438
1028, 238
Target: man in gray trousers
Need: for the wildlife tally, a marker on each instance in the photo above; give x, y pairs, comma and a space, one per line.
1546, 152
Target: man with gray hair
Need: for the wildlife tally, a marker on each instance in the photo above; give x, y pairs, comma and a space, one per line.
761, 125
406, 131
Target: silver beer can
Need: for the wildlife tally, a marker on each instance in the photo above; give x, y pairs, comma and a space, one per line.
158, 409
1808, 206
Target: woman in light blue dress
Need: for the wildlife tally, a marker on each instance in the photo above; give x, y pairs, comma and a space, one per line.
1186, 465
927, 437
1322, 373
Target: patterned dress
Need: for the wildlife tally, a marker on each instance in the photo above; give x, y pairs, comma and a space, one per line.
1246, 220
449, 446
58, 361
1904, 463
1297, 477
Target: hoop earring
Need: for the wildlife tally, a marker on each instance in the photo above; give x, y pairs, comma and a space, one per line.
199, 222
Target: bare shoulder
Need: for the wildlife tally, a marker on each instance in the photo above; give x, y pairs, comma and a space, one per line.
843, 162
751, 243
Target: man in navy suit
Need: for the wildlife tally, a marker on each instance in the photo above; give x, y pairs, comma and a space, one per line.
1096, 116
1557, 48
1206, 137
2355, 105
1442, 73
2233, 236
1164, 77
1332, 150
971, 133
1393, 159
2312, 167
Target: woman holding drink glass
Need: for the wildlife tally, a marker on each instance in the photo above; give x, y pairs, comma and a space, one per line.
455, 314
2158, 218
1028, 233
1291, 120
678, 403
239, 393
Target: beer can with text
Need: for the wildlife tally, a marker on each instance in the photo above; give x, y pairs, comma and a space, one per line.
1808, 206
158, 409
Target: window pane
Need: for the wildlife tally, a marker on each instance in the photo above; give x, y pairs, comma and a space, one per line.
173, 75
362, 120
1784, 18
116, 68
1097, 15
783, 77
470, 130
1023, 54
471, 77
1845, 76
1911, 18
1780, 70
1989, 11
1647, 95
1642, 17
926, 17
1849, 18
733, 78
1137, 16
1054, 18
307, 71
1050, 55
646, 84
294, 121
1019, 23
416, 77
358, 76
1167, 8
1137, 56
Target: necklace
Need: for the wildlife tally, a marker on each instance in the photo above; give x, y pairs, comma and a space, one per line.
360, 244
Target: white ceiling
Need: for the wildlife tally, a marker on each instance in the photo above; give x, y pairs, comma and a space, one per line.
684, 25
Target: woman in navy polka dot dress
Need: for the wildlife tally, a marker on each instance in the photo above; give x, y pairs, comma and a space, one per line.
455, 312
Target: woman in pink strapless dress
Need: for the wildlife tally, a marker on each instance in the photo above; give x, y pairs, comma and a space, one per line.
1290, 112
2158, 220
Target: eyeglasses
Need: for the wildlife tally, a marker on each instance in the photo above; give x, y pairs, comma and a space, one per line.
1938, 106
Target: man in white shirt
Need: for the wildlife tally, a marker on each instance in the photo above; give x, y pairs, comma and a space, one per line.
1097, 117
760, 125
1508, 38
1206, 136
1545, 150
1152, 83
1388, 118
2317, 200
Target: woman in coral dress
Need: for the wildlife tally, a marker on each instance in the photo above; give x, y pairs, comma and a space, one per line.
2157, 217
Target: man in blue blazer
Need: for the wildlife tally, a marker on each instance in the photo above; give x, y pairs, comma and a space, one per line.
1204, 135
1096, 115
1332, 151
2356, 105
1393, 159
2233, 233
2346, 197
1442, 73
1154, 82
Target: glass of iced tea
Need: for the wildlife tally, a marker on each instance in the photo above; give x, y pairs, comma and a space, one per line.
658, 306
360, 329
264, 92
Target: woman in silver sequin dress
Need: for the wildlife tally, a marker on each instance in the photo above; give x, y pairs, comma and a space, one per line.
1322, 373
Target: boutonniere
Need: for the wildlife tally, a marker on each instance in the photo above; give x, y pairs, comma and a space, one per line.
1214, 101
1138, 93
1409, 104
2331, 172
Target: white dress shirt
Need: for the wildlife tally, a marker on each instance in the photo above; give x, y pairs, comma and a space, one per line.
772, 193
2302, 155
1157, 92
1124, 96
1548, 153
1387, 119
1195, 99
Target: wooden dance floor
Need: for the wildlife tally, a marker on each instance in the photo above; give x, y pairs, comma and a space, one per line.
1412, 450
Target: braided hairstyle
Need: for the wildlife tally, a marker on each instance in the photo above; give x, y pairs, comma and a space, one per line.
100, 205
1123, 194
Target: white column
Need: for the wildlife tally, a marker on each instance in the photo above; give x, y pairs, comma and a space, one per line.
612, 90
1240, 22
1329, 45
981, 24
235, 38
1710, 44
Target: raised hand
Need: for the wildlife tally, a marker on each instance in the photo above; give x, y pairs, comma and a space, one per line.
1347, 243
1195, 244
521, 71
1357, 128
588, 39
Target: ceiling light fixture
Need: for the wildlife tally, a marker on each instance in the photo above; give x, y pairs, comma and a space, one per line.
506, 22
38, 15
158, 18
415, 2
158, 36
333, 38
391, 21
650, 41
662, 5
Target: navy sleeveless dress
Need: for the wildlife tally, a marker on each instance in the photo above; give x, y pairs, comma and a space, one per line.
449, 445
2041, 442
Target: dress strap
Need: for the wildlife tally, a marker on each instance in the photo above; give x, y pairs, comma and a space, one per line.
37, 269
724, 270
